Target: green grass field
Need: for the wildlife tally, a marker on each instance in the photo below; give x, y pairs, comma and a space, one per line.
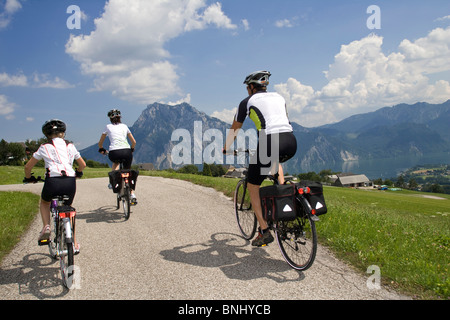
404, 233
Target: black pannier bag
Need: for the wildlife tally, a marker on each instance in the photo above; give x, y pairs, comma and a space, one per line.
315, 197
278, 202
115, 179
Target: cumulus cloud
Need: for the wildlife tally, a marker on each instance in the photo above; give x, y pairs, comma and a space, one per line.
125, 53
362, 78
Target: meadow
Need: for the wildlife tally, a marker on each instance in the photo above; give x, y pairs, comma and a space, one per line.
405, 233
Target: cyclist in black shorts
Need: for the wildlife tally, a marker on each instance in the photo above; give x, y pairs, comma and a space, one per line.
276, 141
58, 155
119, 148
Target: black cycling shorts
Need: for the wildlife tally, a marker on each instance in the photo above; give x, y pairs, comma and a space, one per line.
59, 186
261, 164
125, 155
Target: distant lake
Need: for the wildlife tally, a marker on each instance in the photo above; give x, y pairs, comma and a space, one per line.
383, 168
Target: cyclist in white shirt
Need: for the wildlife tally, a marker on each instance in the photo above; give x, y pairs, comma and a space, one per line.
58, 155
268, 112
119, 148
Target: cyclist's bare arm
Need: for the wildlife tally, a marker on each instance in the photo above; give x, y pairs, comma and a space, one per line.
232, 134
102, 139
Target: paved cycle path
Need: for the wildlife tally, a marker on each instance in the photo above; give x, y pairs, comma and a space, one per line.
180, 243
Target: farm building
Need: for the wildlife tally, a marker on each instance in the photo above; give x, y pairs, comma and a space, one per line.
352, 181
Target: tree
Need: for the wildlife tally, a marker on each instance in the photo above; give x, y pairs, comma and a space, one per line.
16, 154
412, 184
3, 152
400, 182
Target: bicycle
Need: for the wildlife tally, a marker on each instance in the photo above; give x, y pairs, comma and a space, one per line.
60, 243
296, 239
123, 189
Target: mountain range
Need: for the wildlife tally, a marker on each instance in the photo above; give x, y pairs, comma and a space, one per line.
386, 133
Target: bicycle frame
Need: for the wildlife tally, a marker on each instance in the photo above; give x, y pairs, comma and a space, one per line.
63, 217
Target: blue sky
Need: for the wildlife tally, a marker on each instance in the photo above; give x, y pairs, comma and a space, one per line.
127, 54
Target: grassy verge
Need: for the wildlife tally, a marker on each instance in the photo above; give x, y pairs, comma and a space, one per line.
17, 211
403, 233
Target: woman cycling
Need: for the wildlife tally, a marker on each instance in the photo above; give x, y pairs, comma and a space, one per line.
119, 148
58, 155
275, 137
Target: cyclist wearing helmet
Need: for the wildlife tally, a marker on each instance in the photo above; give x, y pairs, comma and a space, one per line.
119, 148
58, 155
275, 136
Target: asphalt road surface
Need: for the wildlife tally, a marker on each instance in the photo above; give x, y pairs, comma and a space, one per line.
180, 243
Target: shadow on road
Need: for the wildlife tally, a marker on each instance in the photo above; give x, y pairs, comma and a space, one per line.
37, 274
234, 257
108, 214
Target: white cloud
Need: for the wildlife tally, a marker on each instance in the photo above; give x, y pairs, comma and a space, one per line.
7, 80
362, 78
44, 81
225, 115
6, 107
126, 53
186, 99
246, 24
285, 23
37, 81
10, 8
443, 18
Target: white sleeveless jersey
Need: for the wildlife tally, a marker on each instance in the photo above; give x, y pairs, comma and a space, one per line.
267, 110
117, 134
58, 157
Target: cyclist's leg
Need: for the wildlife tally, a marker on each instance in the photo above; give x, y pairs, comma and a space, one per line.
114, 156
44, 208
288, 149
254, 182
256, 204
115, 166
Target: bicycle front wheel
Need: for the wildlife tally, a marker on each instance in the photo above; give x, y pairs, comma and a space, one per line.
297, 241
245, 217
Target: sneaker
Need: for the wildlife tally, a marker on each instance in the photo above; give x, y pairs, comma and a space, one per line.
262, 238
45, 234
133, 200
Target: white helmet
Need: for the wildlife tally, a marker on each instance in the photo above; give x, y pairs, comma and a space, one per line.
260, 78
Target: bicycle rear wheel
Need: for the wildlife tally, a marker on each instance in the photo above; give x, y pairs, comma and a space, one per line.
297, 241
126, 202
245, 217
65, 256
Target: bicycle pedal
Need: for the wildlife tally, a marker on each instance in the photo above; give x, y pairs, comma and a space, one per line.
43, 242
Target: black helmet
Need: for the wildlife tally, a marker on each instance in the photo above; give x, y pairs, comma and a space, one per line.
114, 113
53, 126
260, 78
